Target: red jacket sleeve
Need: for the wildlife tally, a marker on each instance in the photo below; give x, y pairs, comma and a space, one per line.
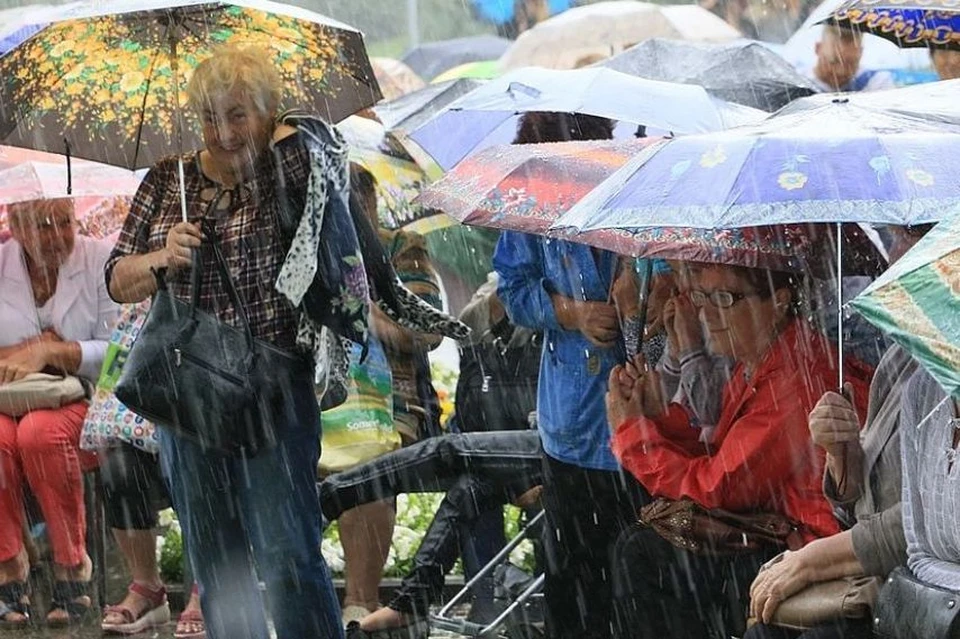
763, 447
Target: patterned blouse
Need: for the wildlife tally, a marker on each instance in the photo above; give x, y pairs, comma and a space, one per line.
247, 221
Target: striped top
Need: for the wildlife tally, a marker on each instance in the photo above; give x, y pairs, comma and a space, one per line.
931, 483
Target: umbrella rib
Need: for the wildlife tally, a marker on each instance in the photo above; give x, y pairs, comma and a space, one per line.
143, 107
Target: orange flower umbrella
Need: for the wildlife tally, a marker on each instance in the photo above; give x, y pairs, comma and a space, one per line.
110, 88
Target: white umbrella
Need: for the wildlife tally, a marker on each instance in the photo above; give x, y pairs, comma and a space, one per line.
595, 31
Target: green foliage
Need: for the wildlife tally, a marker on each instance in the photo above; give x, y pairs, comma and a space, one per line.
171, 556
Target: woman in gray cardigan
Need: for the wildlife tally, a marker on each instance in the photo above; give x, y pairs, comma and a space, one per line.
931, 483
862, 480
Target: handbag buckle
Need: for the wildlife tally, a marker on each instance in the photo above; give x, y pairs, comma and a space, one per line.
177, 358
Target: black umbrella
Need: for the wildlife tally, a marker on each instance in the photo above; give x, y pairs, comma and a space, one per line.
431, 59
744, 72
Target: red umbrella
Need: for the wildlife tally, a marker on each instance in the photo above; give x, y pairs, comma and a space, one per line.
526, 187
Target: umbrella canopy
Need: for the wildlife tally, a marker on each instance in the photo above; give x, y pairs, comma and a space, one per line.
936, 101
502, 11
408, 112
480, 70
433, 58
586, 33
800, 248
526, 187
878, 53
110, 87
489, 114
395, 78
399, 179
836, 163
914, 23
43, 180
744, 71
917, 303
404, 115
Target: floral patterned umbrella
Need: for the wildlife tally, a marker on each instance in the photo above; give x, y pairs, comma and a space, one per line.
917, 303
526, 187
399, 178
838, 162
798, 248
111, 87
907, 23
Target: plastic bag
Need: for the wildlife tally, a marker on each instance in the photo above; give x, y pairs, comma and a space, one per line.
361, 428
109, 422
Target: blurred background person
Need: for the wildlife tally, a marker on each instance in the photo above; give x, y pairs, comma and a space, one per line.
56, 317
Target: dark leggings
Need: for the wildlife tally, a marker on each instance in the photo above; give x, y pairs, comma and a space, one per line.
849, 629
133, 488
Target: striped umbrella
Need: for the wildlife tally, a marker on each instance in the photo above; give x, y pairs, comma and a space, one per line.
917, 303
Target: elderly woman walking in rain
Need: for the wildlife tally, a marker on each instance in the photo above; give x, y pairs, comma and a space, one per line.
232, 504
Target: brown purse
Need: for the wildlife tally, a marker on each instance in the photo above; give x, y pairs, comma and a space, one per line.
689, 526
820, 603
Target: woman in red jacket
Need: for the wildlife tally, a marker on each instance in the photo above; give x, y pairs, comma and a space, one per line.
758, 459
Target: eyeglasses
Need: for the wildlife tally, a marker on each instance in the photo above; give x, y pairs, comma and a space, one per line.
720, 299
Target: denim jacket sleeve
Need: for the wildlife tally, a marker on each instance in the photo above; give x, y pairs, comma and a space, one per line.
524, 288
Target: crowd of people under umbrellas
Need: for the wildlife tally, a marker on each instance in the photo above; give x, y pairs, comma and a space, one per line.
666, 390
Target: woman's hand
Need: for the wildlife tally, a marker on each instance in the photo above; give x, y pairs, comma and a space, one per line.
682, 321
633, 392
834, 424
181, 240
27, 360
778, 579
625, 292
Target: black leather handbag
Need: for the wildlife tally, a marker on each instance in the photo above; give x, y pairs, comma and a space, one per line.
206, 380
910, 609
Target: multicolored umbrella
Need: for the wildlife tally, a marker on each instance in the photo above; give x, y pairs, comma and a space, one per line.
399, 178
798, 248
917, 303
110, 86
489, 114
526, 187
839, 162
907, 23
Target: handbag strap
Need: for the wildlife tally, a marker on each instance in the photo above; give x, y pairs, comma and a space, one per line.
196, 280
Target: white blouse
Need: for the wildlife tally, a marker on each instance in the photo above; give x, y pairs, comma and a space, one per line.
80, 310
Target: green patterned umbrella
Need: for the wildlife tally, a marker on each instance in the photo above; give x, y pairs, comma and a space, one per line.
106, 80
917, 303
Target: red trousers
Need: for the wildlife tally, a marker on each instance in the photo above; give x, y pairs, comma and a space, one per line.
43, 448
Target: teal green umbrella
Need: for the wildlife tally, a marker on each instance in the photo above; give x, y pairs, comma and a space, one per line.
917, 303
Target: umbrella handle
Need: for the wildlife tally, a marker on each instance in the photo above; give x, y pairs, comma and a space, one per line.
66, 149
840, 302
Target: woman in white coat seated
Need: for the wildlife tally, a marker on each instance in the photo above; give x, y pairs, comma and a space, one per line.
56, 317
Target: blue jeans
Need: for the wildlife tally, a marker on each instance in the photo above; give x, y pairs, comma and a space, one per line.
239, 513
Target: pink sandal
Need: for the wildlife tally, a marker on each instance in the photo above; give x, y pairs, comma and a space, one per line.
190, 625
157, 614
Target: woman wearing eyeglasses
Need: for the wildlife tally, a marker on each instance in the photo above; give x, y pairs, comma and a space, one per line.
759, 458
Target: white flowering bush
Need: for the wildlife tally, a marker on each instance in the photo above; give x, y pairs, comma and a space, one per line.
414, 514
